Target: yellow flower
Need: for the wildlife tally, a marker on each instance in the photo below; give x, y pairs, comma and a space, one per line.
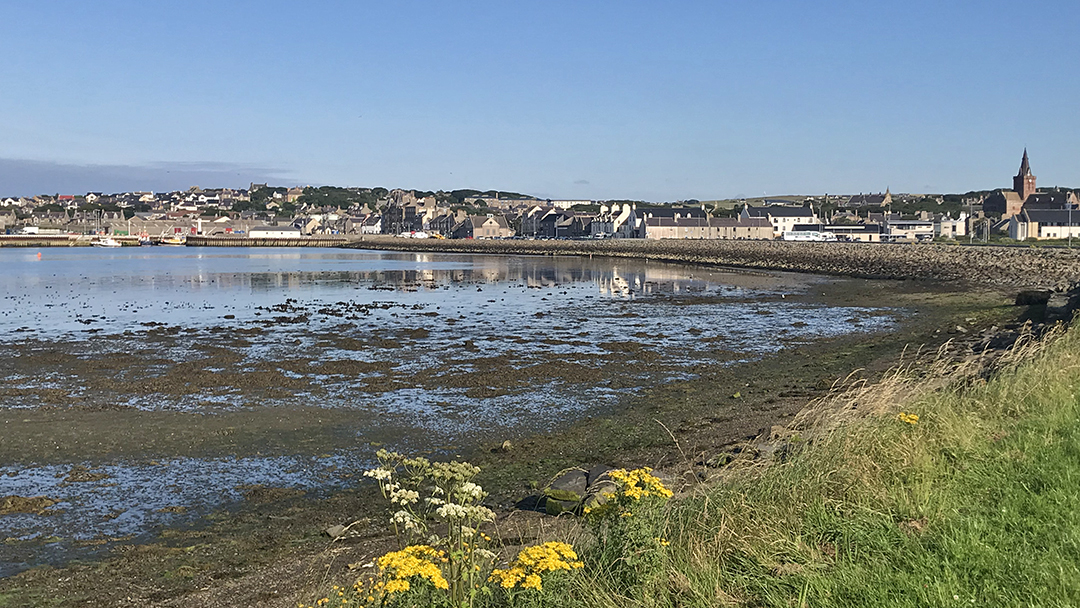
532, 581
908, 418
412, 561
532, 562
639, 483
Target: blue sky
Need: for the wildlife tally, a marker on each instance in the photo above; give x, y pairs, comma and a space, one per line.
657, 101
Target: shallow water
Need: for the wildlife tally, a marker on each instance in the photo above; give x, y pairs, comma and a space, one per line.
426, 349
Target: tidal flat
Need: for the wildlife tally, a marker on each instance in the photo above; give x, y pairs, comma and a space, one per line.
147, 403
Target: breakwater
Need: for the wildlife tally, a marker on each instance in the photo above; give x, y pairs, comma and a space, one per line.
46, 240
1008, 267
243, 241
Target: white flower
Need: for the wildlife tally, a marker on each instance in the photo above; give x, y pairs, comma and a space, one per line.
472, 491
435, 501
404, 518
404, 497
481, 513
451, 511
379, 473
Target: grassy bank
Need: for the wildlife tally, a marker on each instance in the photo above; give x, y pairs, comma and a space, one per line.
931, 487
976, 503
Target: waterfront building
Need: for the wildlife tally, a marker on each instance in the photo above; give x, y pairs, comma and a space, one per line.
274, 232
782, 218
483, 227
1044, 224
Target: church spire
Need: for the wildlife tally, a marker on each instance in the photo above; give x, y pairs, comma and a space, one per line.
1024, 182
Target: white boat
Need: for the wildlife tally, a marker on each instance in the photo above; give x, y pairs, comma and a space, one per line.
106, 242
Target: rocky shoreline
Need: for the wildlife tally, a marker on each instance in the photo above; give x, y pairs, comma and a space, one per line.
1052, 269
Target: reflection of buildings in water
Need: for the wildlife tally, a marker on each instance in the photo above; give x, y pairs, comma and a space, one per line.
621, 283
613, 285
621, 280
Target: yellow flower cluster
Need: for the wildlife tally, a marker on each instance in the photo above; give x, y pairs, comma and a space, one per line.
414, 560
532, 562
639, 483
908, 418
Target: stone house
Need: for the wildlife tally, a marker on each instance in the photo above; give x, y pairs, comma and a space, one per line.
483, 227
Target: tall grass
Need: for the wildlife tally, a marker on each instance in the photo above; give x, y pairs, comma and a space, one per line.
978, 503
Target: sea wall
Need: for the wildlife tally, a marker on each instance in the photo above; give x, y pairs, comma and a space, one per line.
242, 241
1008, 267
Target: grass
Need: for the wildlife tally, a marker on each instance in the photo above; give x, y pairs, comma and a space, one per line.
931, 487
976, 504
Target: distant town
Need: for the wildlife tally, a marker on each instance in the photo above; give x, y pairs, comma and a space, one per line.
262, 211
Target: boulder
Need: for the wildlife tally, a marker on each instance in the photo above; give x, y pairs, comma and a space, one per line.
1033, 297
565, 493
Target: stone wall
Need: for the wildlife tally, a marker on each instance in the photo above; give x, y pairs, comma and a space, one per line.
1008, 267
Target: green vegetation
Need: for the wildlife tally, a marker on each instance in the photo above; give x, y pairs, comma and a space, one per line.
975, 501
892, 494
340, 198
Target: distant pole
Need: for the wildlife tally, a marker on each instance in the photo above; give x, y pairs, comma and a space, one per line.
1070, 224
971, 224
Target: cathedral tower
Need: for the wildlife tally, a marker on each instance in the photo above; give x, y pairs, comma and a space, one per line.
1024, 182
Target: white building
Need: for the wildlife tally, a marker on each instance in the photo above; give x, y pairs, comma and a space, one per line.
949, 228
274, 232
909, 230
1045, 224
783, 218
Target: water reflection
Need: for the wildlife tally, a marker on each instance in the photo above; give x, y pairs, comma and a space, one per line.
58, 294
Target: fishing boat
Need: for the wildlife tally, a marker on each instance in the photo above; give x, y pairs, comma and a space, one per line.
107, 241
177, 239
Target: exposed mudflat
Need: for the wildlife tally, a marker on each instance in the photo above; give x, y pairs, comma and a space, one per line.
205, 423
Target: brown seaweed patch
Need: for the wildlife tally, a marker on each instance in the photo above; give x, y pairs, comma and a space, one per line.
82, 474
37, 505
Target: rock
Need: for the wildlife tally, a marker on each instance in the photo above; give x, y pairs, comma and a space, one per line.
565, 493
507, 446
598, 492
961, 329
596, 473
1033, 297
1058, 300
334, 531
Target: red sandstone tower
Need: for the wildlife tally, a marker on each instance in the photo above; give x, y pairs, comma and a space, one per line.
1024, 182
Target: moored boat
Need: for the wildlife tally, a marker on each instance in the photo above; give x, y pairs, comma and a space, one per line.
106, 242
178, 239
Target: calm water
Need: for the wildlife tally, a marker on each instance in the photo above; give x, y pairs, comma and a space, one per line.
455, 349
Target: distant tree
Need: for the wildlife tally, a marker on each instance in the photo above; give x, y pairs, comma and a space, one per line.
262, 196
586, 208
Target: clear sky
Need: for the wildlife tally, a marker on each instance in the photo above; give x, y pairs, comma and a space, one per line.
622, 99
